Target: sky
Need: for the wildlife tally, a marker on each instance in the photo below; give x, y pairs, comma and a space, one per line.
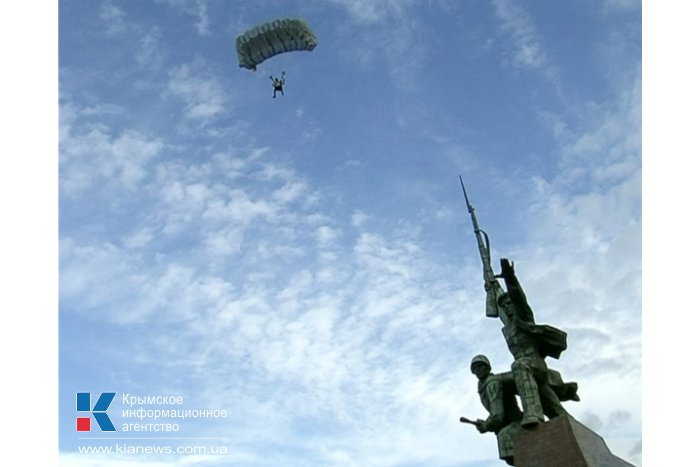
306, 263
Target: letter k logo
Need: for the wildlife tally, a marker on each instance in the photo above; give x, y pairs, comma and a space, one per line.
99, 411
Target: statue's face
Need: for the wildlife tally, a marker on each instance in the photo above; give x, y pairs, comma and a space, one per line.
481, 370
506, 305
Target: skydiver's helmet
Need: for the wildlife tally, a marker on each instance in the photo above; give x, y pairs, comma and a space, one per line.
480, 359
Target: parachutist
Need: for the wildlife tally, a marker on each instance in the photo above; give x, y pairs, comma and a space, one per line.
277, 84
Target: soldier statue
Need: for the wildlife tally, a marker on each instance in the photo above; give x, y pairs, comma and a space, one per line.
497, 394
541, 390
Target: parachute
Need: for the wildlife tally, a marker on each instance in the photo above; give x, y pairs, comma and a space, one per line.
275, 37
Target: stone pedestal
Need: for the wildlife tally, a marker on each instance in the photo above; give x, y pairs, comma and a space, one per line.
563, 442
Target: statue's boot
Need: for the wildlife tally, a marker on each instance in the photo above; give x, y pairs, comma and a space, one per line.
529, 396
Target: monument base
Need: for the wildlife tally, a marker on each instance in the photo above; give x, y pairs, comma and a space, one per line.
563, 442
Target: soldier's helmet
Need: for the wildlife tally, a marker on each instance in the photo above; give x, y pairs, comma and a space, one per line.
480, 359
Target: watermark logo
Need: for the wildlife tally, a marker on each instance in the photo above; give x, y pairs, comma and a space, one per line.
98, 411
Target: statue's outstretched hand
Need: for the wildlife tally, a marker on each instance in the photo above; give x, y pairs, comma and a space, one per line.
507, 269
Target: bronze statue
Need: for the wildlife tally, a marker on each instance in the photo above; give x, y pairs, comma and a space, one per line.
530, 344
497, 394
541, 390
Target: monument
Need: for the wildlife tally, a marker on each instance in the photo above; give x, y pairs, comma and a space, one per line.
539, 432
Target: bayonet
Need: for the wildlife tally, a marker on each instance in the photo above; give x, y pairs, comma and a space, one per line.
493, 288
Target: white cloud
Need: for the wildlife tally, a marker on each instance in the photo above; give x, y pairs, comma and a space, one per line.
622, 5
201, 91
202, 19
371, 11
326, 235
528, 51
91, 155
139, 239
322, 334
328, 341
151, 50
397, 45
102, 109
196, 8
290, 192
114, 17
359, 218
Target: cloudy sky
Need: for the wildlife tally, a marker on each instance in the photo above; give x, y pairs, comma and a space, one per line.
306, 263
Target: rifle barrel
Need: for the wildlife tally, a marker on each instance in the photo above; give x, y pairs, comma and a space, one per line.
483, 244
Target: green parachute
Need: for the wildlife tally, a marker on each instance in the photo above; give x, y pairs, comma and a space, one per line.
275, 37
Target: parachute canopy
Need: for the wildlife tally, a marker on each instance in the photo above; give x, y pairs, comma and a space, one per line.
275, 37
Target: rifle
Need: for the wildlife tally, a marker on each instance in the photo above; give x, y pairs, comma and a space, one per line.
493, 288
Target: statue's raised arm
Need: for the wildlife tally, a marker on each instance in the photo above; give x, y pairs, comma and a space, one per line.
515, 291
